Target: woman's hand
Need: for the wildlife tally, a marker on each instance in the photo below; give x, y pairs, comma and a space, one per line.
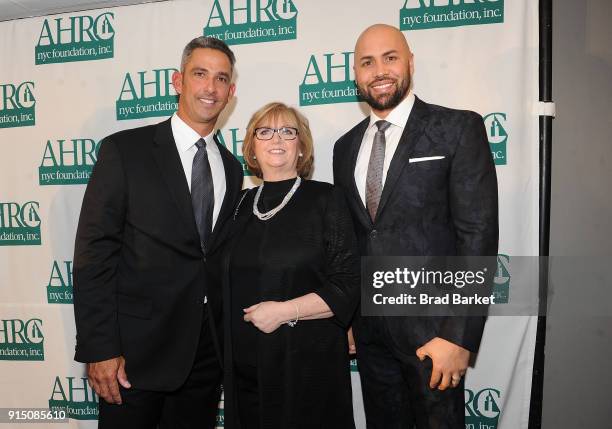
267, 316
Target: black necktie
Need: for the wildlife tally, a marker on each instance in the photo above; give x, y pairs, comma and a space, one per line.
202, 193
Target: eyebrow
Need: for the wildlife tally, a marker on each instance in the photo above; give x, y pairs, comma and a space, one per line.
367, 57
204, 69
392, 51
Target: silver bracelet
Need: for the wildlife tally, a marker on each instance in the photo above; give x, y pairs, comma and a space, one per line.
292, 323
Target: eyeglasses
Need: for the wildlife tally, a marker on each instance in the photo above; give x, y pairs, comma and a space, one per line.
285, 133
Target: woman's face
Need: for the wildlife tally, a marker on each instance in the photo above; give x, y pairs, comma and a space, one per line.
277, 148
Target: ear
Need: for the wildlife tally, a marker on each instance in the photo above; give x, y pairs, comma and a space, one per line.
177, 81
232, 91
355, 75
411, 60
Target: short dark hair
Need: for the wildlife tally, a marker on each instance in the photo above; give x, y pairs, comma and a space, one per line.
207, 43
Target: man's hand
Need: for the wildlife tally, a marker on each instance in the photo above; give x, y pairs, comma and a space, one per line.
267, 316
351, 342
103, 377
449, 362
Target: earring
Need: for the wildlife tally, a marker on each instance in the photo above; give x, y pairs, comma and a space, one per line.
254, 157
301, 155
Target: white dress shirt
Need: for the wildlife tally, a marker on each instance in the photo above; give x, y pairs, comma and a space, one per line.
398, 118
185, 138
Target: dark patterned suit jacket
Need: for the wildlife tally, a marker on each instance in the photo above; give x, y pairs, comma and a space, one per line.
441, 207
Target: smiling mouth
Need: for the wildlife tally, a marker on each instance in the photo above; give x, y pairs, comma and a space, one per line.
382, 85
276, 151
207, 101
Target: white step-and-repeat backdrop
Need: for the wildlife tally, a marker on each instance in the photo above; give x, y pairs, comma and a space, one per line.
68, 80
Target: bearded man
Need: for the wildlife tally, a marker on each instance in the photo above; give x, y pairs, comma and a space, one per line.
420, 181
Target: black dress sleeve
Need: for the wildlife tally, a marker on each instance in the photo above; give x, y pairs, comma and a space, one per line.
341, 289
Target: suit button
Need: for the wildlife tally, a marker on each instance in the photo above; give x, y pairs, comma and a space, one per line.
373, 233
203, 258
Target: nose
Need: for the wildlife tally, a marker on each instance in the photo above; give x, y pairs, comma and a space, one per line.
209, 84
276, 138
381, 69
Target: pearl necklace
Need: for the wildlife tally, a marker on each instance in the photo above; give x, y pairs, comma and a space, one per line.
267, 215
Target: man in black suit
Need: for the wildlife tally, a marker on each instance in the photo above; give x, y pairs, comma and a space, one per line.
421, 182
146, 318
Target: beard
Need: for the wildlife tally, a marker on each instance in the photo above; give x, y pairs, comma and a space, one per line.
386, 102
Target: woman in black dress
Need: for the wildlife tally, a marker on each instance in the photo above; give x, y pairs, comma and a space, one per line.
291, 286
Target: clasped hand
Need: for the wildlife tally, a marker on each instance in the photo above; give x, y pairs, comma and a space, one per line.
449, 362
267, 316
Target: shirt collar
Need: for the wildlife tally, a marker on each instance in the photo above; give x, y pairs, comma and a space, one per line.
400, 113
185, 136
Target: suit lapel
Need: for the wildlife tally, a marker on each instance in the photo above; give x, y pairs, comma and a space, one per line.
354, 197
231, 189
167, 158
401, 158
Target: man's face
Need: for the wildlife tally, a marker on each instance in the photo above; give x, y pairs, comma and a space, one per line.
383, 68
205, 88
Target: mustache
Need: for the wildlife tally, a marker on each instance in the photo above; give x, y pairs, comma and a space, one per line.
382, 79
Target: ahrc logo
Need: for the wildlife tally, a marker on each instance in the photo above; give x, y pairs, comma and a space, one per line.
424, 14
148, 94
495, 124
17, 104
252, 21
68, 162
482, 409
21, 339
19, 223
76, 38
329, 80
501, 281
236, 146
76, 397
59, 288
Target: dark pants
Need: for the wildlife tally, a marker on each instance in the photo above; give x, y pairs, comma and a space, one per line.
395, 386
247, 395
193, 405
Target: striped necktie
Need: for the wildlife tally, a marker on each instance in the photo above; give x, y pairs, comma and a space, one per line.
202, 193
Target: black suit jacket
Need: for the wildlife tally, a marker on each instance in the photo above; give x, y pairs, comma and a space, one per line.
139, 273
442, 207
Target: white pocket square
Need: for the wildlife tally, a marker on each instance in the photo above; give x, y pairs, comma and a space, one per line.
426, 158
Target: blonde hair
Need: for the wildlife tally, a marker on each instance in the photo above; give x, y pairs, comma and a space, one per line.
274, 111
